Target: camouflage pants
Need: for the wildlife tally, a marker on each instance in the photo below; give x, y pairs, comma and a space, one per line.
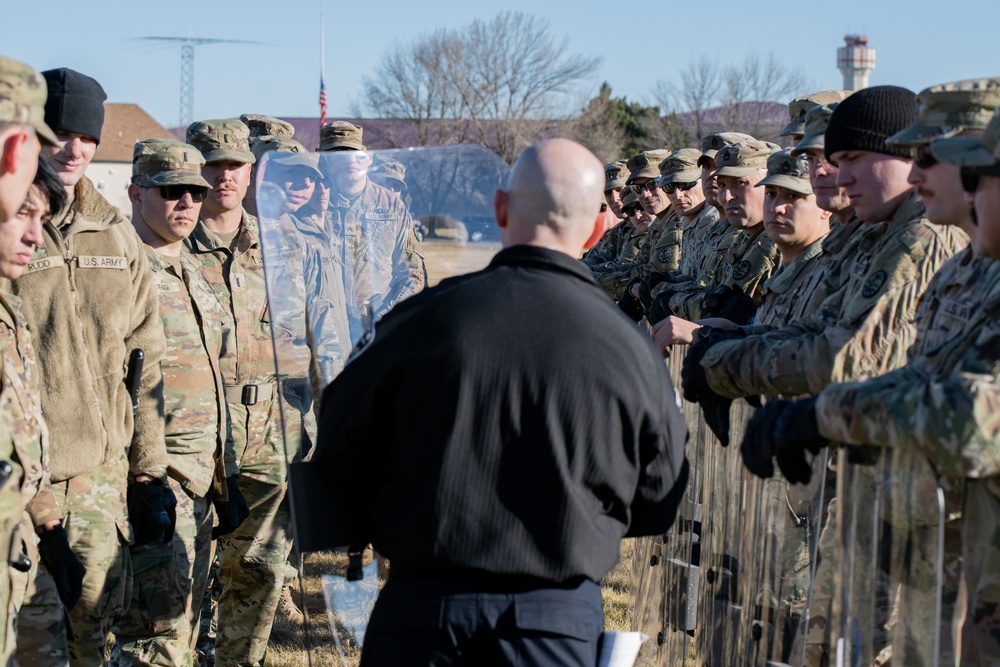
95, 518
157, 628
41, 617
252, 571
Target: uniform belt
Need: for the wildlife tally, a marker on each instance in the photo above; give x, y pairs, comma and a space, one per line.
248, 394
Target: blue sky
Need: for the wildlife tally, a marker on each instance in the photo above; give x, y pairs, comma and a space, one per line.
918, 43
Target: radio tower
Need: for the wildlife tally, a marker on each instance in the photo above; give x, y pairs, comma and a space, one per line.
187, 45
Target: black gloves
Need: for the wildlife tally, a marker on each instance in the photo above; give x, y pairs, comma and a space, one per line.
152, 511
729, 302
783, 430
62, 565
659, 309
631, 305
231, 513
696, 389
647, 285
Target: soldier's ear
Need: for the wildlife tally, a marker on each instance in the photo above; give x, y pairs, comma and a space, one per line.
135, 194
13, 152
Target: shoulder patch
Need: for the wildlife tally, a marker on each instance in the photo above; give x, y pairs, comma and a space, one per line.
873, 284
666, 254
741, 270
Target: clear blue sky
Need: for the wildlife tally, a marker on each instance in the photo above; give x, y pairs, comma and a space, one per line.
918, 43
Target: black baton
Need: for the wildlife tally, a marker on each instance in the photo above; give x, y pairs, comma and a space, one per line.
133, 378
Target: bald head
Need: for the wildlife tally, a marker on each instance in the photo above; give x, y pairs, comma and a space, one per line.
553, 197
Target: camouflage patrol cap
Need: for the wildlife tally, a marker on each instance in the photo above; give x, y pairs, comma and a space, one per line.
221, 139
645, 164
950, 109
798, 108
713, 143
157, 162
615, 175
263, 126
341, 135
817, 119
982, 151
23, 92
389, 169
629, 200
681, 166
744, 158
785, 171
286, 151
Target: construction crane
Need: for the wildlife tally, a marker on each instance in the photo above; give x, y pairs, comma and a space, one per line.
187, 45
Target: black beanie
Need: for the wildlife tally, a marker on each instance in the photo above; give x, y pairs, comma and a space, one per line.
864, 120
75, 103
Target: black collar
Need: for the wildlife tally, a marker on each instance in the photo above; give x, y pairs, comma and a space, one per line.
545, 258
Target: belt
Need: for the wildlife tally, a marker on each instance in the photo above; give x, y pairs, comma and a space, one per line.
249, 394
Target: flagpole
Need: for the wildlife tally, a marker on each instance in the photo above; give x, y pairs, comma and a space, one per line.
322, 67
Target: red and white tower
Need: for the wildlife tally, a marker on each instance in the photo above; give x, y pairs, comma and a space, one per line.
855, 60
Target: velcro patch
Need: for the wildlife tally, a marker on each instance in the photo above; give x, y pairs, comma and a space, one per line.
42, 263
101, 262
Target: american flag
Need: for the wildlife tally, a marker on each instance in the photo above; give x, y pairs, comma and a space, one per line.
322, 102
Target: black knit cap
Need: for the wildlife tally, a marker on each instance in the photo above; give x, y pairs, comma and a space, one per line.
867, 118
75, 103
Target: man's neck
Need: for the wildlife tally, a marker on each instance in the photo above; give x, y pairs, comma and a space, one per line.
223, 222
154, 241
694, 213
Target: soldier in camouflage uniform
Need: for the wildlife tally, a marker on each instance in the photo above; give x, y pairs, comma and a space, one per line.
262, 127
681, 181
169, 579
226, 243
750, 258
608, 247
935, 416
634, 260
797, 109
90, 291
372, 228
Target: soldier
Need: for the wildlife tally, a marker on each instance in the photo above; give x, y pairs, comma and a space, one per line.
226, 243
90, 290
823, 175
169, 579
372, 228
633, 261
681, 181
608, 247
798, 108
390, 174
22, 131
750, 258
937, 408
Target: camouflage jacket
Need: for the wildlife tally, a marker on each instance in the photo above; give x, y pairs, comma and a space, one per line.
89, 297
862, 329
781, 294
374, 236
609, 246
666, 254
937, 415
748, 262
23, 434
198, 329
635, 259
696, 241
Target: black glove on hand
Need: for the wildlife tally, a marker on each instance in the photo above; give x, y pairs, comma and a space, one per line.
647, 285
729, 302
62, 565
659, 309
795, 433
232, 512
758, 442
630, 305
693, 379
152, 511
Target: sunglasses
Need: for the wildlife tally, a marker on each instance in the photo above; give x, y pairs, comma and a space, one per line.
175, 192
970, 180
922, 156
648, 186
670, 188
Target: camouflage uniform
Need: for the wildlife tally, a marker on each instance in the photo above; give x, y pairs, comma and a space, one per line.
89, 292
609, 246
696, 240
266, 126
615, 175
169, 580
861, 330
635, 258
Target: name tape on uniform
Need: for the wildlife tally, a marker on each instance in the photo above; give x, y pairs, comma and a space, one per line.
101, 262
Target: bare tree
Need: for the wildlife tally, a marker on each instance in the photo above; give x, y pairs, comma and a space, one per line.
501, 83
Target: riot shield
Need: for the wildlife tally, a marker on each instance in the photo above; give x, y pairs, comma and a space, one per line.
340, 251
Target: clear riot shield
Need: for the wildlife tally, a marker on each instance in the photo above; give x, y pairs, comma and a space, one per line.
340, 251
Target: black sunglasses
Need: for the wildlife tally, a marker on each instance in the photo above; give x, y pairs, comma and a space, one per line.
175, 192
922, 156
970, 180
649, 185
669, 188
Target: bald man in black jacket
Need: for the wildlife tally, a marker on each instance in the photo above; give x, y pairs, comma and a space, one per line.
553, 432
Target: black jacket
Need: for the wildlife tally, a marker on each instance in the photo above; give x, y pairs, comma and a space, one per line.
509, 421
